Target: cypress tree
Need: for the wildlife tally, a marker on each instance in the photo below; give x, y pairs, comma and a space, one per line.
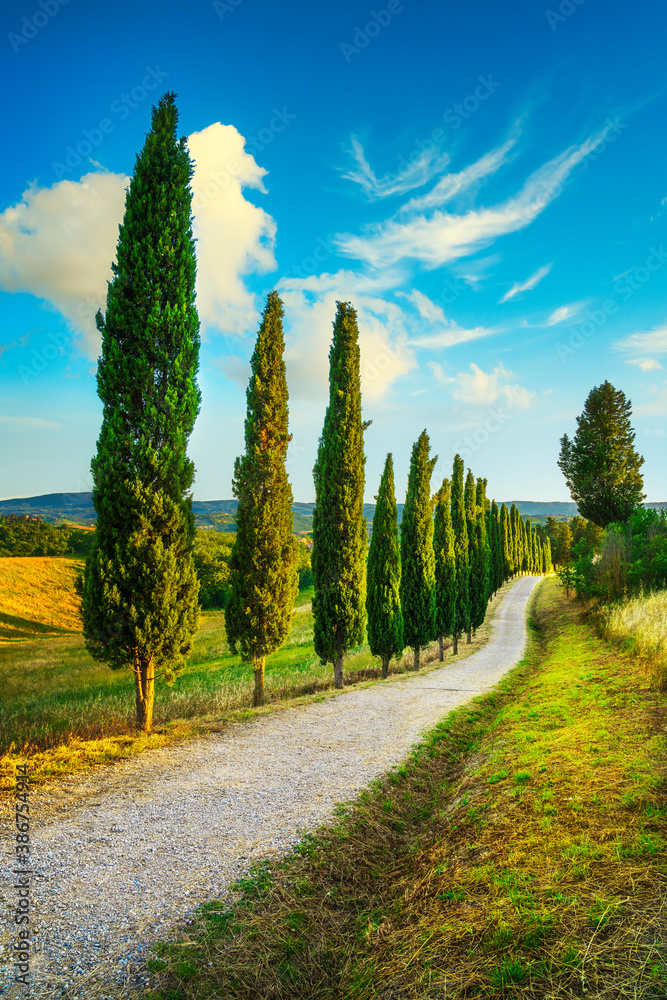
527, 563
480, 561
460, 528
263, 578
339, 525
507, 544
139, 596
469, 499
517, 538
445, 566
417, 555
497, 573
383, 601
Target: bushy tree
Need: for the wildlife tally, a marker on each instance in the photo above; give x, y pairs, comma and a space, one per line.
263, 576
600, 464
444, 548
417, 556
140, 589
339, 525
383, 601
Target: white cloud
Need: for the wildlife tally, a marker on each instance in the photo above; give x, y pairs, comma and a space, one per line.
646, 364
29, 423
563, 313
482, 388
441, 238
645, 342
58, 243
310, 309
234, 237
426, 166
657, 407
528, 285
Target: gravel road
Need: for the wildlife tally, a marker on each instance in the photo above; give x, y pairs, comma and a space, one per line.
121, 855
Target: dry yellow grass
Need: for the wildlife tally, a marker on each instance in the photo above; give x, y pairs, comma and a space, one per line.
37, 597
640, 625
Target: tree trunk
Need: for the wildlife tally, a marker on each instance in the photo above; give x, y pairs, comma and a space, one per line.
441, 641
455, 642
415, 662
470, 634
258, 696
338, 662
144, 676
385, 665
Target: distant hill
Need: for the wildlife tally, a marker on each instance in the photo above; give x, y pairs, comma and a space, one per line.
77, 508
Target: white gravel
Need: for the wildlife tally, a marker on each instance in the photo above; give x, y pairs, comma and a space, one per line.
122, 855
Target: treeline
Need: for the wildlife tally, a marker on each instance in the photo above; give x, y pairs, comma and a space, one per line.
456, 550
33, 537
629, 558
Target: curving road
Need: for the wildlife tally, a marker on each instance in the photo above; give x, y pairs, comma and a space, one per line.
122, 855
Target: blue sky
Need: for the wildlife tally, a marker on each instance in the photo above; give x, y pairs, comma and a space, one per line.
486, 184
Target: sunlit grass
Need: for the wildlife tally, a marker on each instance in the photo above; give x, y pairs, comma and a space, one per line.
640, 625
37, 596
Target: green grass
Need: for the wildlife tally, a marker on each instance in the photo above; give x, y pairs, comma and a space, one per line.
66, 712
639, 625
519, 852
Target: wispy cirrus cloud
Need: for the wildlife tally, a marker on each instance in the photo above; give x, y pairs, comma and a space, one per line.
453, 184
563, 314
644, 342
526, 286
437, 239
417, 173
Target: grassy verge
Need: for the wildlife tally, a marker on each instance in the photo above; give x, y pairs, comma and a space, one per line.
519, 852
639, 625
65, 712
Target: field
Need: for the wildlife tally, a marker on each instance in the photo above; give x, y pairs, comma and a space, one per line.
46, 584
68, 712
520, 852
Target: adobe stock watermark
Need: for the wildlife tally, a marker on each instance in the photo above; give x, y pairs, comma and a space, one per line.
57, 345
120, 108
218, 180
31, 26
377, 22
551, 190
322, 250
454, 117
494, 421
224, 7
624, 288
565, 10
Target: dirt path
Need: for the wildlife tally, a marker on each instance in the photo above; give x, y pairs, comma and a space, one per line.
121, 855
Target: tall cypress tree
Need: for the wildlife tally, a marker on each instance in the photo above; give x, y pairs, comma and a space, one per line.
262, 567
507, 543
497, 574
517, 538
480, 561
460, 528
140, 588
339, 525
469, 499
383, 600
445, 566
417, 556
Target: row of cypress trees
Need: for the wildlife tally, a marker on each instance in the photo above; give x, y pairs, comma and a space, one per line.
451, 559
140, 589
454, 551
